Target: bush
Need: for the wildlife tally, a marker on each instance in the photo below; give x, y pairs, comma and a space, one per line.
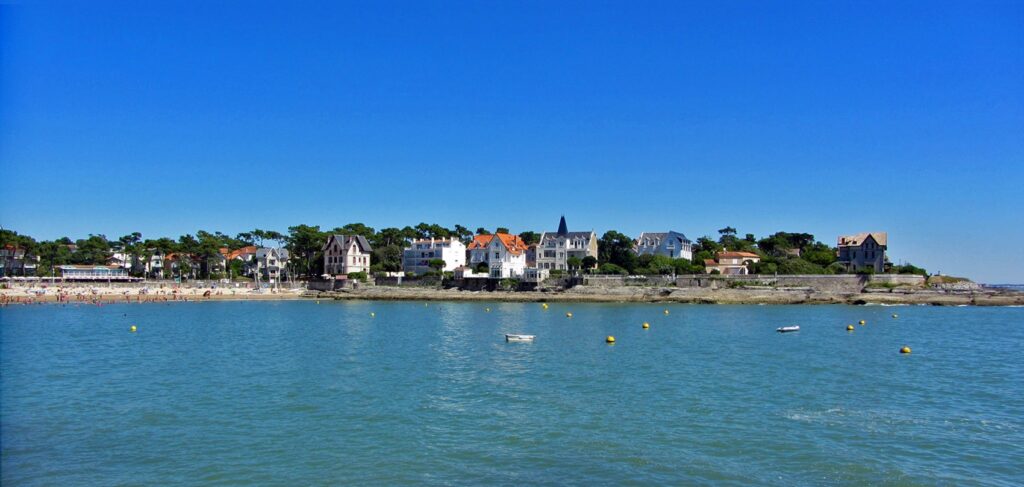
797, 265
482, 268
556, 272
509, 284
611, 269
359, 276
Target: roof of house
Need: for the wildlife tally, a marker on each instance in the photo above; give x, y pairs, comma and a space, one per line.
568, 235
858, 239
85, 266
736, 255
242, 252
480, 242
346, 240
514, 243
710, 262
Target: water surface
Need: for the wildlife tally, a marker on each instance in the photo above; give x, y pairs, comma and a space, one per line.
300, 393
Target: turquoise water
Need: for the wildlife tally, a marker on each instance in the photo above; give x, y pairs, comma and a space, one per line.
299, 393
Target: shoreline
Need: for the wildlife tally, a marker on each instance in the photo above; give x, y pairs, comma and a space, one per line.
683, 296
580, 294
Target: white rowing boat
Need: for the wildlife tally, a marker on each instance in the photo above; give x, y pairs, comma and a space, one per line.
787, 329
519, 338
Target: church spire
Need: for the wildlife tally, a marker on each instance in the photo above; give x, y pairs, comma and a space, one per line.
563, 230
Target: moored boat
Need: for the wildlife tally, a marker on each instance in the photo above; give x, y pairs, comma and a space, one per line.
518, 338
787, 329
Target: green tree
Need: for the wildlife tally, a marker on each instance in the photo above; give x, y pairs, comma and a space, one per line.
436, 264
589, 262
616, 248
304, 243
482, 231
502, 230
574, 263
530, 238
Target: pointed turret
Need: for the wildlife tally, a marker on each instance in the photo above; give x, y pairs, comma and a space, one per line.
563, 230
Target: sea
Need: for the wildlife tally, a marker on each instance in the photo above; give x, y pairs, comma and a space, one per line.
430, 393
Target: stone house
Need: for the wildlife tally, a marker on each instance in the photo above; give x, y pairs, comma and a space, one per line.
555, 248
345, 254
863, 251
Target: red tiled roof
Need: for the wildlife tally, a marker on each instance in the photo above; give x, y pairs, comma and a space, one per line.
514, 243
735, 255
480, 242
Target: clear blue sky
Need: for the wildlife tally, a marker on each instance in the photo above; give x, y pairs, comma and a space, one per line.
822, 117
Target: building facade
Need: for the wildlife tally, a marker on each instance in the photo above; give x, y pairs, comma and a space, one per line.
555, 248
417, 256
270, 263
506, 256
669, 244
731, 263
345, 254
863, 251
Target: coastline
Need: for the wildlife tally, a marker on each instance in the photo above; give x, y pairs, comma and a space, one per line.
583, 294
580, 294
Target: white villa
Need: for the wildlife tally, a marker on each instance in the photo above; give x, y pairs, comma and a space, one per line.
504, 254
417, 256
345, 254
555, 248
270, 263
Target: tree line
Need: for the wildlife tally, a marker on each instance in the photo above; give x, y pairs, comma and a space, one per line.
781, 252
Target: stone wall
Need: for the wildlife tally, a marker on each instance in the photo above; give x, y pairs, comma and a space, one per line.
837, 283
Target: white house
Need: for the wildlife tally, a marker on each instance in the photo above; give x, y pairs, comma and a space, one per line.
345, 254
669, 244
506, 256
417, 256
555, 248
270, 263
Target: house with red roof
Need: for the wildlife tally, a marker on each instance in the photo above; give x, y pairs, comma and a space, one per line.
504, 254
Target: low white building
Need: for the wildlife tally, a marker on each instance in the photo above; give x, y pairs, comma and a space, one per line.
731, 263
417, 256
345, 254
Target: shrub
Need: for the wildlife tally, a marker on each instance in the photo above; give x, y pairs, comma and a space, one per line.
611, 269
359, 276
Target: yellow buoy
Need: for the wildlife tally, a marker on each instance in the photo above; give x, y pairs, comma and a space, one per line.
894, 315
849, 327
862, 322
545, 305
318, 301
610, 339
905, 349
133, 329
568, 315
487, 310
666, 311
646, 325
372, 315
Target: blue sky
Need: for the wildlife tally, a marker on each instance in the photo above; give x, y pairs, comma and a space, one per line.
820, 117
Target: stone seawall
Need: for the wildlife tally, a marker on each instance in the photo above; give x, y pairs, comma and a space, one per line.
841, 283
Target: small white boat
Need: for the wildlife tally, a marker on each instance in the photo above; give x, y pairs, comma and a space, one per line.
518, 338
787, 329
